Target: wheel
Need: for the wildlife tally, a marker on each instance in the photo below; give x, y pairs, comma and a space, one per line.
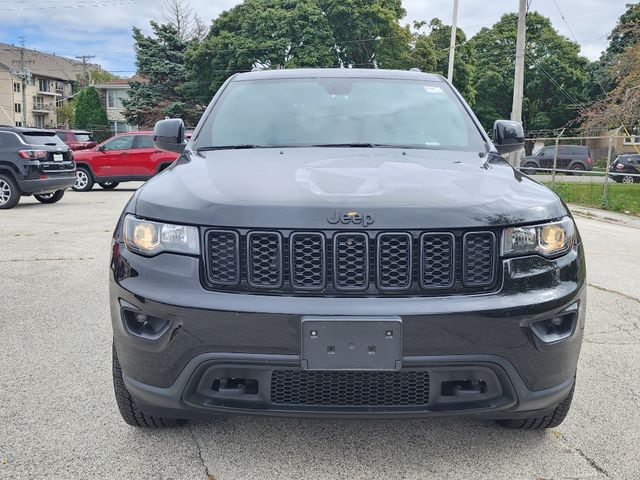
628, 179
9, 192
127, 405
577, 169
50, 197
84, 180
109, 185
537, 423
527, 169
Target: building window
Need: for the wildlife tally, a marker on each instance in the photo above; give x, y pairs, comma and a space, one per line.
635, 140
18, 124
39, 121
16, 87
17, 108
43, 85
38, 103
115, 98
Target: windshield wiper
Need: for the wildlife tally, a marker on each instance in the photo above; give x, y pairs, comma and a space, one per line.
344, 145
228, 147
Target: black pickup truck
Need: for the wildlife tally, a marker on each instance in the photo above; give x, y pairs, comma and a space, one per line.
33, 162
344, 242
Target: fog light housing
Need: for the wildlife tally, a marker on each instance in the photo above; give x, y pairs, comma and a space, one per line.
147, 327
555, 329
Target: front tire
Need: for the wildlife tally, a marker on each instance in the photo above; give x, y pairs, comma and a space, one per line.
577, 169
84, 180
108, 185
628, 179
50, 197
538, 423
9, 192
127, 405
529, 169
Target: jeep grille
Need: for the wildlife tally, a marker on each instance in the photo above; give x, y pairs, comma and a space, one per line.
338, 263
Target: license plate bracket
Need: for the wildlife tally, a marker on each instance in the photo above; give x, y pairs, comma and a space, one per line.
58, 157
351, 343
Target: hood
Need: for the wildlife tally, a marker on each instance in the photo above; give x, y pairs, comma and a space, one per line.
304, 187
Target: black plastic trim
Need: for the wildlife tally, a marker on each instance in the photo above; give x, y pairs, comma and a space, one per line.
493, 259
292, 264
250, 281
366, 281
452, 259
410, 259
207, 255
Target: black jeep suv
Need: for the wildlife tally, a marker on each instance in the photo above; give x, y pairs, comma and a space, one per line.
344, 243
33, 162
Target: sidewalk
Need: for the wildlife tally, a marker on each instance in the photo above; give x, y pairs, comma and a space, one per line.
605, 215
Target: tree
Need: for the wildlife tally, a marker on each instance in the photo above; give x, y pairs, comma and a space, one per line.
463, 68
555, 74
65, 114
620, 106
260, 34
367, 32
160, 60
89, 112
180, 15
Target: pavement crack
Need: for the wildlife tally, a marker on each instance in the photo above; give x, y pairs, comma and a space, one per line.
590, 461
53, 259
208, 476
609, 290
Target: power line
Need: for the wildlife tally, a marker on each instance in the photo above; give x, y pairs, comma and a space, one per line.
81, 5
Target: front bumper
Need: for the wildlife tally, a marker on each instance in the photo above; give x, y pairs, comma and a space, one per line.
213, 335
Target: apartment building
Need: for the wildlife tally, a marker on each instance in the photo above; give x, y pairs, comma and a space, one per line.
31, 99
113, 92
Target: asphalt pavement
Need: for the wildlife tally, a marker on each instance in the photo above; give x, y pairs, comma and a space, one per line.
58, 417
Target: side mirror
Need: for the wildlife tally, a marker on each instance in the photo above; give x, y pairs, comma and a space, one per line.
100, 148
169, 135
508, 136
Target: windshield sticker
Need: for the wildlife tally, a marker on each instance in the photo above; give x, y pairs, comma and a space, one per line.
431, 89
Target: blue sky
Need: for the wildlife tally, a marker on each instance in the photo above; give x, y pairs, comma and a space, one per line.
103, 27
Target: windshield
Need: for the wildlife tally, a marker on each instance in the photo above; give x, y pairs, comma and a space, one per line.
340, 111
42, 138
84, 137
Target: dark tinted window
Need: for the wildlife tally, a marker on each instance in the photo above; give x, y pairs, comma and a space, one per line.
143, 141
7, 139
42, 138
84, 137
62, 135
581, 150
329, 111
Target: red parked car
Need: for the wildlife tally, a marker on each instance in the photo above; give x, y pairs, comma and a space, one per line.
76, 139
126, 157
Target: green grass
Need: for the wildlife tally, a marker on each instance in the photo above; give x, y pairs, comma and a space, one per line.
621, 198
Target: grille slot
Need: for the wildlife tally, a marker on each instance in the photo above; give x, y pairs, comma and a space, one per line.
223, 255
351, 261
437, 269
394, 261
350, 388
264, 259
478, 259
308, 271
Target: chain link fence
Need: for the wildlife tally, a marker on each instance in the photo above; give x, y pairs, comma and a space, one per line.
598, 171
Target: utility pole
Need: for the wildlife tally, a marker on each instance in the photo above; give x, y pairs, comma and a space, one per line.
23, 74
518, 79
452, 43
85, 59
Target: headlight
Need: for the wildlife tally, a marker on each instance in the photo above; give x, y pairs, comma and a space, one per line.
150, 238
547, 239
